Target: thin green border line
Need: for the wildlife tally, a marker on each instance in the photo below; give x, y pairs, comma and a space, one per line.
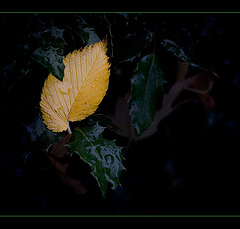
144, 12
122, 216
119, 216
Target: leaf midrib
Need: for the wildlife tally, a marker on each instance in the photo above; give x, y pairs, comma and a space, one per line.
93, 148
148, 79
83, 83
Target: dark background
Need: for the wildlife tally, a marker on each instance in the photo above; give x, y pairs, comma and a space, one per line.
190, 166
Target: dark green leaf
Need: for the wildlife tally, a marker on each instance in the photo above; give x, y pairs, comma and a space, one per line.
104, 121
50, 58
103, 155
48, 41
86, 32
128, 48
147, 83
39, 134
177, 51
89, 36
184, 55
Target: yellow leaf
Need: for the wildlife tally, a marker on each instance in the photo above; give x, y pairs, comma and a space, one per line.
85, 82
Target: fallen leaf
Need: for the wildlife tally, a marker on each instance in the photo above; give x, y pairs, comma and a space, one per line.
72, 183
85, 82
207, 101
182, 69
58, 151
65, 179
201, 84
59, 166
122, 118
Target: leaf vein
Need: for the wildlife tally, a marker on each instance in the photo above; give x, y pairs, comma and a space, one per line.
99, 154
148, 80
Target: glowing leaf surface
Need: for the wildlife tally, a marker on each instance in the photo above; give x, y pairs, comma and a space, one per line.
85, 82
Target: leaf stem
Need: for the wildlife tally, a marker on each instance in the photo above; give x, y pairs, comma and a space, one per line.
69, 129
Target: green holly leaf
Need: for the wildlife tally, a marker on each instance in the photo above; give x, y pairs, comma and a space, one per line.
39, 134
133, 46
185, 55
103, 155
176, 49
50, 59
47, 43
146, 85
86, 32
104, 120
